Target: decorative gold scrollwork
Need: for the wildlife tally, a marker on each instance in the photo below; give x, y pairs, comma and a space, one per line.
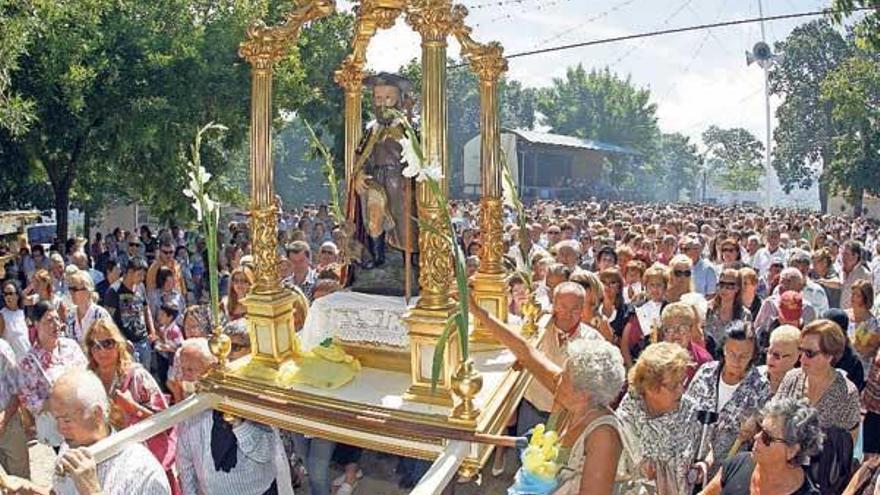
433, 19
265, 242
492, 229
437, 266
265, 45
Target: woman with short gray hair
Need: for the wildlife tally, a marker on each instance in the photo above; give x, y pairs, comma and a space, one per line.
595, 451
788, 435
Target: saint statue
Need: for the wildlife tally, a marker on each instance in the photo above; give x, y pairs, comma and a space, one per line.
382, 202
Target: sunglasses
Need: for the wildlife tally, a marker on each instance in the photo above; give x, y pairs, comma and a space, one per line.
682, 273
104, 344
728, 285
76, 289
239, 347
809, 353
767, 438
169, 252
8, 293
778, 355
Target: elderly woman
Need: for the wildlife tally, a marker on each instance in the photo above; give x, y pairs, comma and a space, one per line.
51, 356
835, 397
133, 392
584, 387
638, 331
86, 310
733, 388
725, 310
782, 355
681, 279
196, 324
787, 437
677, 325
658, 417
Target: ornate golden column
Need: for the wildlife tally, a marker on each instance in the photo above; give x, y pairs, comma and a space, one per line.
350, 78
432, 19
270, 308
490, 288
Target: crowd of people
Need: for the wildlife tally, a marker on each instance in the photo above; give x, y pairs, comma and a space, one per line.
684, 348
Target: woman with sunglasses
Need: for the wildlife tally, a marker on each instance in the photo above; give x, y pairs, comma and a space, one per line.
725, 310
788, 435
835, 397
680, 277
50, 357
86, 311
241, 280
732, 388
13, 324
133, 392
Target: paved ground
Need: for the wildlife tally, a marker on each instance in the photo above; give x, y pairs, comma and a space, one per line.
379, 475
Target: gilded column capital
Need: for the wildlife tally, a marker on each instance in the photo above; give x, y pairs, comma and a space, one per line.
349, 76
487, 61
433, 19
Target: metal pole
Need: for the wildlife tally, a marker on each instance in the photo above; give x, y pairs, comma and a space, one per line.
766, 66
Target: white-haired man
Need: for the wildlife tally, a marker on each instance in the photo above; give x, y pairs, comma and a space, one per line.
561, 329
789, 279
80, 405
217, 457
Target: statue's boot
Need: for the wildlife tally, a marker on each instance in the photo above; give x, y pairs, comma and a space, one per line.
371, 249
379, 243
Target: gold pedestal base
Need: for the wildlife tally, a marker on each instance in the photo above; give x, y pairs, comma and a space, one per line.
425, 328
270, 326
490, 291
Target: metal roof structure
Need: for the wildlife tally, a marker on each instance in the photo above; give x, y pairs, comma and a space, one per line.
569, 141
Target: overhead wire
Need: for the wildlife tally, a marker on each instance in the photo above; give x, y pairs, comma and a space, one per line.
511, 15
614, 39
642, 42
589, 20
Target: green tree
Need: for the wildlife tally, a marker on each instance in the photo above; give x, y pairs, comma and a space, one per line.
677, 166
17, 23
854, 90
804, 134
602, 106
868, 29
734, 158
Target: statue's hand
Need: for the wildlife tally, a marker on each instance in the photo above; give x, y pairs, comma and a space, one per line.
360, 182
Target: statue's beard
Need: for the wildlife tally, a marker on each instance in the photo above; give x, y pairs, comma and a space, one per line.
385, 115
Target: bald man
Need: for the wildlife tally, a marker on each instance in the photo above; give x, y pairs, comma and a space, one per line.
79, 403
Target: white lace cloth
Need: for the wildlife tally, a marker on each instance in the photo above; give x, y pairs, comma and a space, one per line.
355, 317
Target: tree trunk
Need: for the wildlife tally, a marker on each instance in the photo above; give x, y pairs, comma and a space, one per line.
857, 200
823, 195
62, 204
87, 227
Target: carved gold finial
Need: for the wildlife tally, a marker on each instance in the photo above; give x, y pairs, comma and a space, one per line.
433, 19
466, 384
266, 44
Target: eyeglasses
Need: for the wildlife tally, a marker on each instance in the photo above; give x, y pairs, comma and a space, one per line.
778, 355
728, 285
767, 438
682, 273
682, 329
728, 250
809, 353
169, 252
76, 289
104, 344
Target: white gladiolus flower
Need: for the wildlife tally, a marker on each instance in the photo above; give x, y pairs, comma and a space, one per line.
433, 172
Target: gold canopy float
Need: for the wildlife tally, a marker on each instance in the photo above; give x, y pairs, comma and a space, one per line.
389, 405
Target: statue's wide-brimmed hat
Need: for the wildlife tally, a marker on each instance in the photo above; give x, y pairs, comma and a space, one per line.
388, 79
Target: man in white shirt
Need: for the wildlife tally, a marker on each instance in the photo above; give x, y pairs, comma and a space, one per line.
217, 457
563, 327
79, 403
762, 259
812, 292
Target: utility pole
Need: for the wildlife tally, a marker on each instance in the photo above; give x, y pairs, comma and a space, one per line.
765, 58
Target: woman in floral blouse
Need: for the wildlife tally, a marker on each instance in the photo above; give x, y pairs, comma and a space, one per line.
657, 416
133, 392
726, 310
733, 388
50, 357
